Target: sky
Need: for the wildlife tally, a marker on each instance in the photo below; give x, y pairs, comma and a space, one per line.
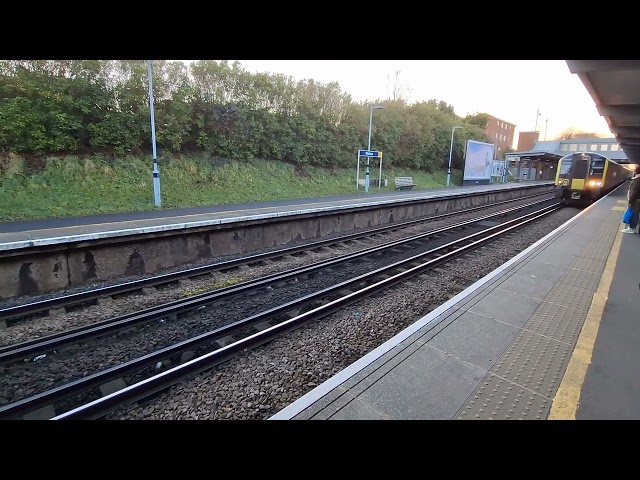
512, 90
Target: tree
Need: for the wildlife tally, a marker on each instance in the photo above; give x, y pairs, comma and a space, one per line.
572, 133
479, 119
395, 90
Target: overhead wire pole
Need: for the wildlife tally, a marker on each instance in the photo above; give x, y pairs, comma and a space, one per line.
156, 172
497, 147
546, 124
368, 172
505, 165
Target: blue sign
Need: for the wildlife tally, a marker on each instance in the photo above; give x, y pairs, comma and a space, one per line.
369, 153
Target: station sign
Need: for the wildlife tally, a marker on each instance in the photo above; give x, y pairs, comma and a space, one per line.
370, 153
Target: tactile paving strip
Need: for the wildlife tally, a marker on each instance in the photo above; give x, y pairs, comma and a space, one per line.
570, 296
499, 399
581, 278
533, 365
535, 362
553, 321
589, 264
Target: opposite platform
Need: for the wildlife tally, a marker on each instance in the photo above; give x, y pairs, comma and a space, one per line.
25, 234
500, 348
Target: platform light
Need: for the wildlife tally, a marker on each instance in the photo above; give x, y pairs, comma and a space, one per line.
156, 173
366, 178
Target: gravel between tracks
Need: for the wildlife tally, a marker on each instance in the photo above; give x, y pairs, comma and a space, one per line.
259, 383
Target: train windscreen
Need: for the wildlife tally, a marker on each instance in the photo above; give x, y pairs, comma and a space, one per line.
597, 167
565, 166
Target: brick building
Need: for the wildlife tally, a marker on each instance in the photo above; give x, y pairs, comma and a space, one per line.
501, 133
526, 140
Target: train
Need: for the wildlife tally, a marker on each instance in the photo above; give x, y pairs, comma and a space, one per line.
584, 177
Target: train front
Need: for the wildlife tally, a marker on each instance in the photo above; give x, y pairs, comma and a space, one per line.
580, 177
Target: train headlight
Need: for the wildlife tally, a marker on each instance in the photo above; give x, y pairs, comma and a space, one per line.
594, 183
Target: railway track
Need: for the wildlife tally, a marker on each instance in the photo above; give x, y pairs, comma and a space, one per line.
213, 347
63, 303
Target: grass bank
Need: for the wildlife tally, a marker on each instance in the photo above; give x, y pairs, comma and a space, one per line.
73, 186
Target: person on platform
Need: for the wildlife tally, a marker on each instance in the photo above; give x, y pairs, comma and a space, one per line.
633, 197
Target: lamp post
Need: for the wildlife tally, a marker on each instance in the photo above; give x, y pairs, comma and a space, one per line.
537, 115
497, 147
453, 129
367, 174
156, 172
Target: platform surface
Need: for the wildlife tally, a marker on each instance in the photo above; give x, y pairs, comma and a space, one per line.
552, 334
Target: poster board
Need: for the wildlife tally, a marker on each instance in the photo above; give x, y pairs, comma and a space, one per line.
478, 165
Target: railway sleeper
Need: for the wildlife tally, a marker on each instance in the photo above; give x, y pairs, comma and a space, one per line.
186, 356
262, 326
112, 386
226, 340
231, 269
42, 413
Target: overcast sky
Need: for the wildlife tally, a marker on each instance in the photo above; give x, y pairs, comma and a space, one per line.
512, 90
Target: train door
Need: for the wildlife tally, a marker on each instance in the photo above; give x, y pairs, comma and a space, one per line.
579, 173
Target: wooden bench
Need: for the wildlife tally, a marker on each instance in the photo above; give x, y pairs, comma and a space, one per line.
404, 183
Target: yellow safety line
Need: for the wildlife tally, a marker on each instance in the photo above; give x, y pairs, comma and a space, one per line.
565, 403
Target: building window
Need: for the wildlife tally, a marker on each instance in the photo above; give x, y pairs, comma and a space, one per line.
593, 147
604, 147
573, 147
583, 147
615, 147
564, 147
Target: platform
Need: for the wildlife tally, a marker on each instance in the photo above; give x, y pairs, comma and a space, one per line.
31, 233
554, 333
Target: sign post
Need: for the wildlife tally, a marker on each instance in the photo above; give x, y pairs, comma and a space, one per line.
368, 154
